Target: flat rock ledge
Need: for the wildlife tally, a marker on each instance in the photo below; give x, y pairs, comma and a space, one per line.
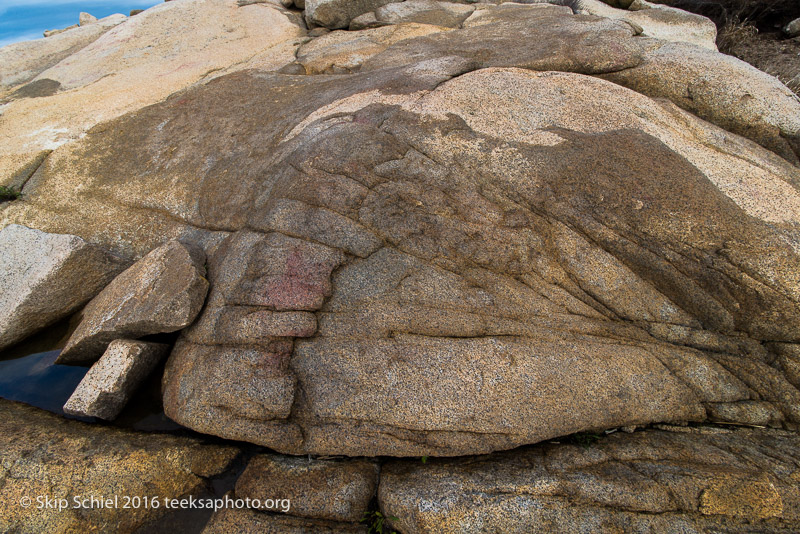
689, 480
669, 479
49, 456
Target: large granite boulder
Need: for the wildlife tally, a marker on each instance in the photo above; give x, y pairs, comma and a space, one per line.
480, 283
161, 293
50, 457
447, 14
718, 88
690, 480
471, 242
45, 277
653, 20
338, 13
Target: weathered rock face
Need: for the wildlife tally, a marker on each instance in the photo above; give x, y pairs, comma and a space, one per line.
716, 87
793, 28
652, 481
652, 20
110, 383
320, 489
338, 13
473, 278
46, 277
251, 522
161, 293
343, 52
445, 14
84, 19
138, 63
471, 243
21, 62
47, 455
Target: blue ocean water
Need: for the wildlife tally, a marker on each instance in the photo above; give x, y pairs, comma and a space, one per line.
23, 20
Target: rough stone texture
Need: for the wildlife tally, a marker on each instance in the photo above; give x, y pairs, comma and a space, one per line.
20, 170
441, 255
723, 90
163, 292
478, 318
21, 62
343, 51
199, 202
112, 380
45, 277
445, 14
44, 454
335, 14
719, 88
655, 20
85, 19
251, 522
793, 28
49, 33
321, 489
142, 61
650, 481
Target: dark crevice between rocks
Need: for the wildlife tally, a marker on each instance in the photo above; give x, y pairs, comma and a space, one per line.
191, 521
15, 184
29, 375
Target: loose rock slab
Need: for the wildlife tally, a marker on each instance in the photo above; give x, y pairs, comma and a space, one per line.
44, 277
109, 384
163, 292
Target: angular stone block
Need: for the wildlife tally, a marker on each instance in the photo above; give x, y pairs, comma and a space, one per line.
163, 292
44, 277
110, 383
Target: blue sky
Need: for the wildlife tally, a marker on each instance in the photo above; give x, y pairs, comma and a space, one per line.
22, 20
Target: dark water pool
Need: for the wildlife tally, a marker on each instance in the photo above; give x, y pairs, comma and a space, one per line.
36, 380
28, 374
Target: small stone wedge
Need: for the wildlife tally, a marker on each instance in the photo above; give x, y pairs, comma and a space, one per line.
112, 380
